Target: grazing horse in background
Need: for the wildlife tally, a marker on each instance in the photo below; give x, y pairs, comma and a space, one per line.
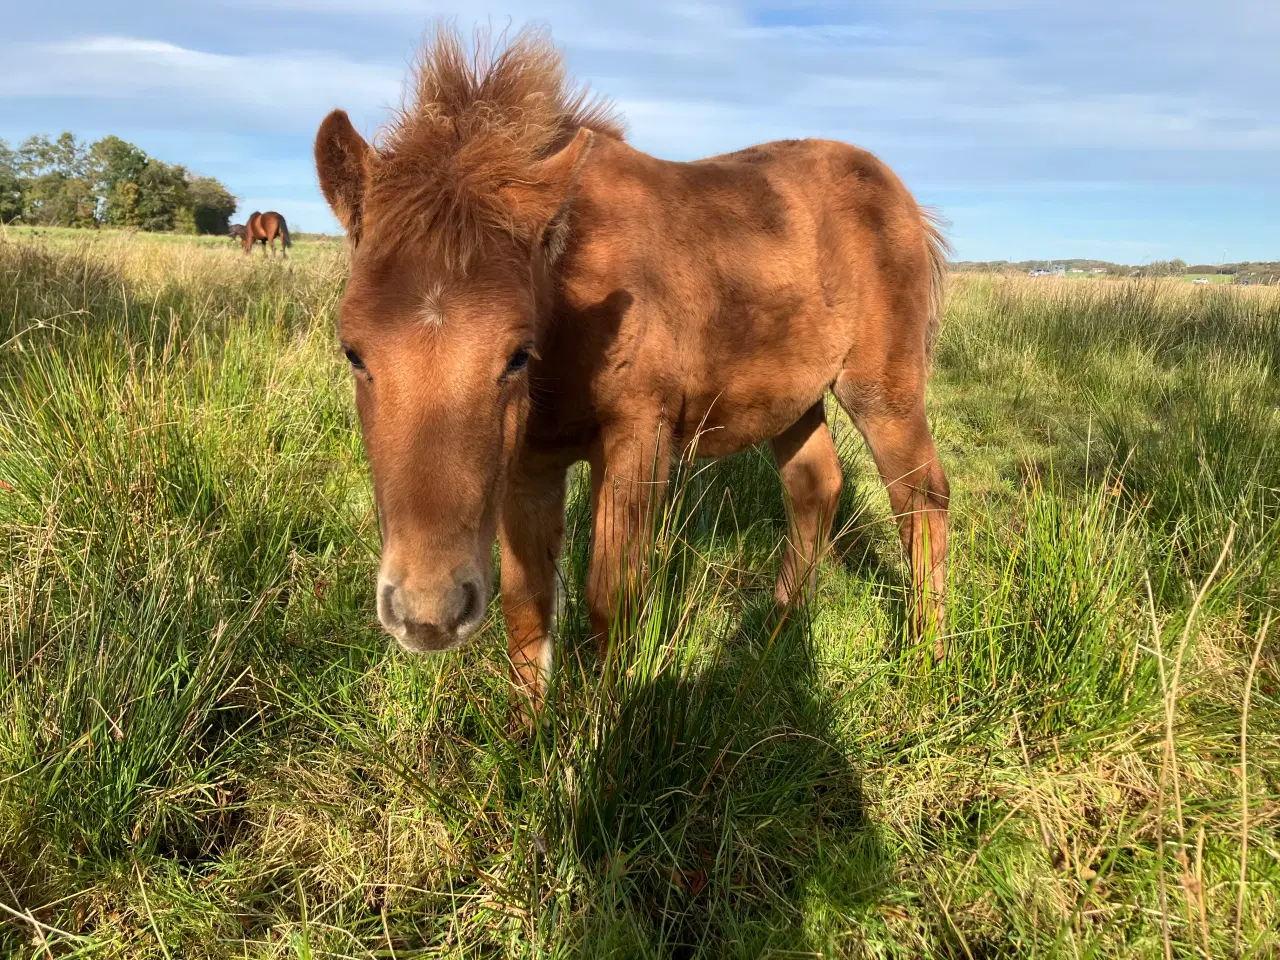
264, 228
236, 232
527, 290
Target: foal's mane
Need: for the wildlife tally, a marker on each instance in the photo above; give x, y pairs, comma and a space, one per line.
475, 120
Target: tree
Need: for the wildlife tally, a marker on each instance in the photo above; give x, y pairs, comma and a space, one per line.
120, 206
10, 185
212, 205
162, 192
117, 169
70, 157
42, 184
1163, 268
65, 157
57, 191
76, 205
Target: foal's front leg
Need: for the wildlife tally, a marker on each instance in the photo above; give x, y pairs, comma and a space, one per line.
628, 483
531, 531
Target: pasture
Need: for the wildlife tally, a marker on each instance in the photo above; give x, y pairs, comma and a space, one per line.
208, 748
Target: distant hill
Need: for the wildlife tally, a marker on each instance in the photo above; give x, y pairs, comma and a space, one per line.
1267, 272
1254, 272
1026, 266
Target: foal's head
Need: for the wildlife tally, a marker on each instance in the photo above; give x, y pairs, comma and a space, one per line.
454, 221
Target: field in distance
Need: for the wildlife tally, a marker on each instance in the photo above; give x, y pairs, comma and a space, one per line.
118, 239
208, 748
1253, 273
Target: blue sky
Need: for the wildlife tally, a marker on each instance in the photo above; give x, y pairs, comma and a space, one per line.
1129, 130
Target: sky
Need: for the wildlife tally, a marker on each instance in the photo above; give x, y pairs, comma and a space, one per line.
1125, 130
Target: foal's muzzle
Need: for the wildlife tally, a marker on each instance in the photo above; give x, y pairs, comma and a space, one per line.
436, 618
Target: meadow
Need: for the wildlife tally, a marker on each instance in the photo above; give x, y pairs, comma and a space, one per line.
208, 748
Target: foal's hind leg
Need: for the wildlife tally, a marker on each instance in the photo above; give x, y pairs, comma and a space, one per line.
806, 457
905, 456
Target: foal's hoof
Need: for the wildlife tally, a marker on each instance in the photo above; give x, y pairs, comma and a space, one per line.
788, 596
520, 724
524, 717
526, 703
931, 626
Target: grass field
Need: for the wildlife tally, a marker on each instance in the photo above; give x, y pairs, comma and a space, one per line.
116, 240
209, 749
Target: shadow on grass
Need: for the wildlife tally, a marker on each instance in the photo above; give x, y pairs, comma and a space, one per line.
708, 804
703, 795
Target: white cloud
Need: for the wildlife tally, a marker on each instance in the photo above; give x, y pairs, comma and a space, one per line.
281, 86
711, 76
1129, 121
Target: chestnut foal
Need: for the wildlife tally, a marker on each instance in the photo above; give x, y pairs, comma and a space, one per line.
527, 290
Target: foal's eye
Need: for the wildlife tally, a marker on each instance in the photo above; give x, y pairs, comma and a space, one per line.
356, 362
519, 360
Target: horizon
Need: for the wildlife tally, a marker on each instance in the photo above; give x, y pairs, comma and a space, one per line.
1126, 136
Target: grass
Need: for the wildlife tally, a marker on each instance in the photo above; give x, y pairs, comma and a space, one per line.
209, 749
141, 244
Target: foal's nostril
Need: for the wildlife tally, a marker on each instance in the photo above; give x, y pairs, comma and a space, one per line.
386, 607
470, 605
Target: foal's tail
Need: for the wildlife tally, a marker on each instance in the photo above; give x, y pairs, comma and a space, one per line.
284, 233
939, 248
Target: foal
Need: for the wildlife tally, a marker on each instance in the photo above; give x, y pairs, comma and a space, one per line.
527, 290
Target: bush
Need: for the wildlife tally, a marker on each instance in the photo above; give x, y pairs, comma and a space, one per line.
212, 205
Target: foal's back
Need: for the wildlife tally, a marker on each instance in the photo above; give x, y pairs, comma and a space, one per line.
728, 294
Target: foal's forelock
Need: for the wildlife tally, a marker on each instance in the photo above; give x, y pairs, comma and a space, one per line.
479, 122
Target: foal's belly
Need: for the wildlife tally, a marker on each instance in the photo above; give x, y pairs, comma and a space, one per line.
746, 384
743, 414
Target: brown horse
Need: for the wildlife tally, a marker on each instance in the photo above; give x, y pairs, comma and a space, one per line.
527, 291
263, 228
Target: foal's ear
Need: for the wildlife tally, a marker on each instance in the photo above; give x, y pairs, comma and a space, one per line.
541, 199
342, 162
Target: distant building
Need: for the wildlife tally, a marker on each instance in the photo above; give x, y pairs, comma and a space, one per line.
1075, 270
1058, 271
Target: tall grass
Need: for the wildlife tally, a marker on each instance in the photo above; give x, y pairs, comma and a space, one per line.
207, 747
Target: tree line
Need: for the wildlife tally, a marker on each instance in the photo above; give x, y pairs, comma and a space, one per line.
67, 183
